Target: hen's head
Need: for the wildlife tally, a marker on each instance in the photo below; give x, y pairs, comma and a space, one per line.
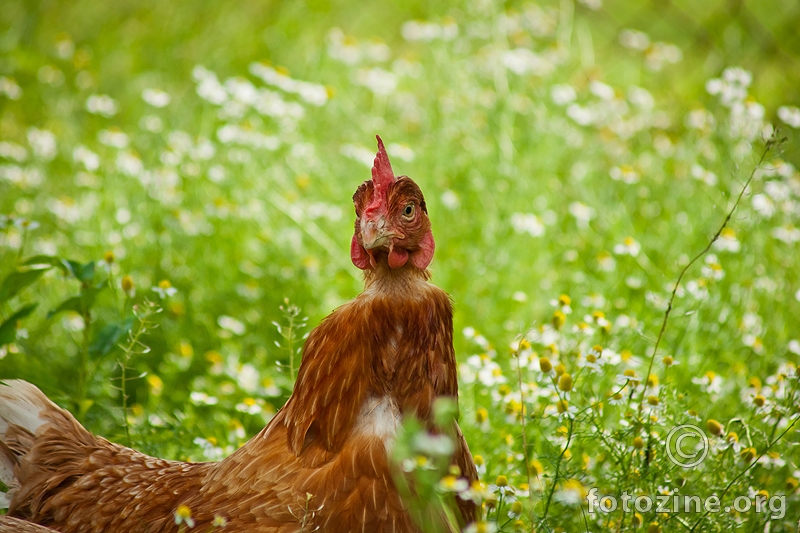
391, 220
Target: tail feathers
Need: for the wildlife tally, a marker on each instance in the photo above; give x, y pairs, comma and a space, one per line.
24, 409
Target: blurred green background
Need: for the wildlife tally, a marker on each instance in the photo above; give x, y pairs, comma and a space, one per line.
586, 149
521, 121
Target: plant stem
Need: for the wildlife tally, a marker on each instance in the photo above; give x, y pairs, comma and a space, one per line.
771, 142
558, 466
133, 342
124, 395
524, 432
83, 367
290, 340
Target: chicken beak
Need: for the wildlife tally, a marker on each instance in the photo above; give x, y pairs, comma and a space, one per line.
374, 233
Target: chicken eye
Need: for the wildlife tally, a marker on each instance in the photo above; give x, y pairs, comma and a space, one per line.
408, 211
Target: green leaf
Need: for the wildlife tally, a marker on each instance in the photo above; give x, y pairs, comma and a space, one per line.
106, 338
87, 272
81, 303
82, 272
70, 304
16, 281
8, 329
51, 260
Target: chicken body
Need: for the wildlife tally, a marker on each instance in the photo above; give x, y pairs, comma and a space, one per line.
322, 463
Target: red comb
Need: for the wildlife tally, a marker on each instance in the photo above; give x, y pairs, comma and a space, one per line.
382, 178
382, 174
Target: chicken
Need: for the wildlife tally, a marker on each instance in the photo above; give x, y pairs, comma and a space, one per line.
323, 462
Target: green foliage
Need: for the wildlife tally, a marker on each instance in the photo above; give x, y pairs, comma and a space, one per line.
8, 329
422, 459
575, 157
16, 281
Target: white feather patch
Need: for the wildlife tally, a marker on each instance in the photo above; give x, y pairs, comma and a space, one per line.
379, 417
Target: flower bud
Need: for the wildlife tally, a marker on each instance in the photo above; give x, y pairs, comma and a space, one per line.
559, 319
714, 427
127, 284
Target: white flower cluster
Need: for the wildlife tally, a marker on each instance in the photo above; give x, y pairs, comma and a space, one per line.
233, 134
359, 153
746, 115
351, 51
113, 138
102, 104
527, 223
731, 87
43, 143
156, 97
790, 115
532, 19
10, 150
623, 114
10, 88
380, 81
656, 54
426, 31
237, 96
85, 157
524, 61
311, 93
24, 177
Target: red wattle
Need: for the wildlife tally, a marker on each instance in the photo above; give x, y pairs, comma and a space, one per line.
397, 257
359, 255
423, 257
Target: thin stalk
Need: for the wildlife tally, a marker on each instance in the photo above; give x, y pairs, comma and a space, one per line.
83, 365
770, 144
127, 352
524, 415
558, 465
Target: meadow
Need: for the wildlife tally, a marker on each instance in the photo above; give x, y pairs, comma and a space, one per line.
614, 194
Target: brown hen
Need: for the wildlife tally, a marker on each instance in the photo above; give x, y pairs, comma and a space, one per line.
323, 462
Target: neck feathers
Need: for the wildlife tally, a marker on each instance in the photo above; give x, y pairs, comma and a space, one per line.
389, 280
395, 341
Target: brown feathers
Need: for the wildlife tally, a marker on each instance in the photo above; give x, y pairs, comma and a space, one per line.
14, 525
322, 464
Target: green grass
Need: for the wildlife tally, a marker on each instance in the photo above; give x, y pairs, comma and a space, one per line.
603, 198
